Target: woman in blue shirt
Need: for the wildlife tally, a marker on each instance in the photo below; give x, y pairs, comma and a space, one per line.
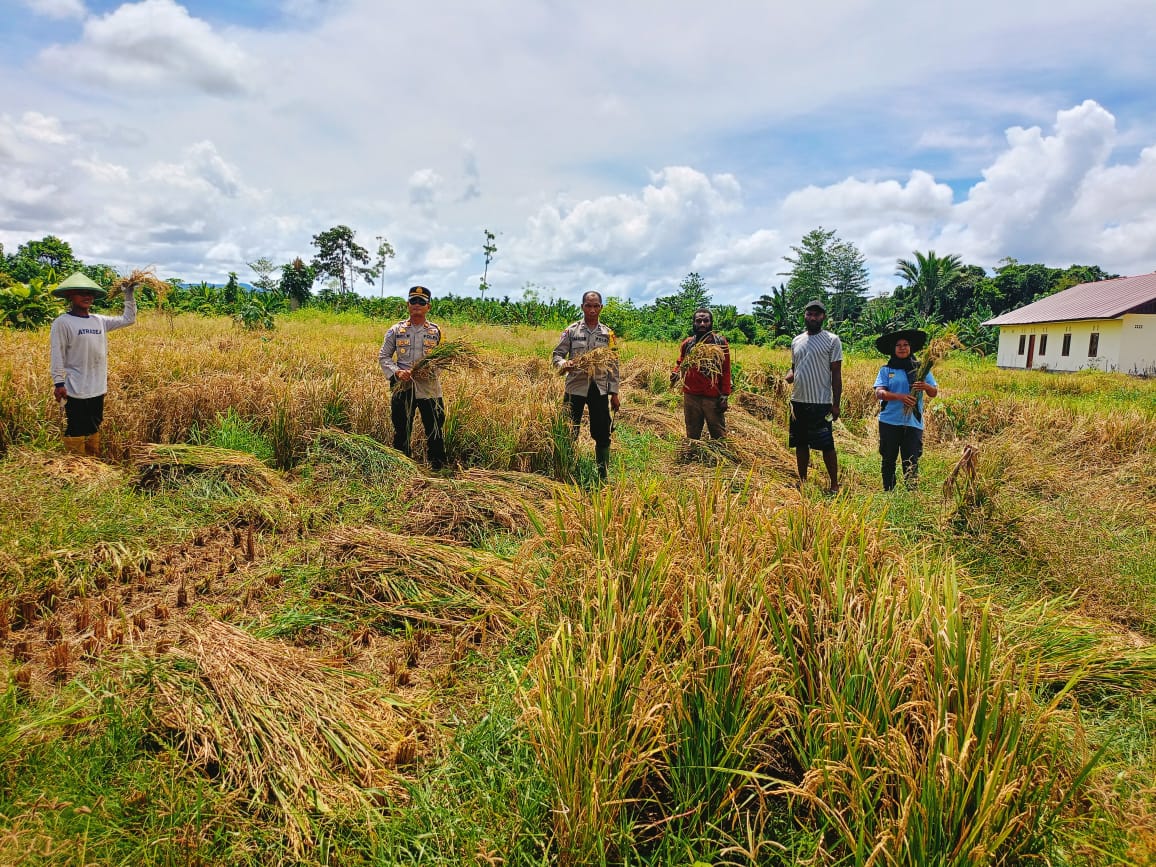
900, 416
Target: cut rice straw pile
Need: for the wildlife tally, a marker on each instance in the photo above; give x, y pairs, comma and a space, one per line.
162, 466
424, 579
478, 500
451, 355
280, 723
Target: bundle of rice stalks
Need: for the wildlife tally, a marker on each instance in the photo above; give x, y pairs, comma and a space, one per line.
426, 579
935, 352
344, 456
706, 358
160, 467
453, 354
143, 279
761, 407
275, 721
477, 502
597, 362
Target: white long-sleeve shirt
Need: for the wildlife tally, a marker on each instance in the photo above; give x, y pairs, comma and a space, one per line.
79, 346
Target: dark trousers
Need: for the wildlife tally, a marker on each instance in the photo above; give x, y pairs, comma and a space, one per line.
83, 415
433, 413
698, 408
599, 414
896, 440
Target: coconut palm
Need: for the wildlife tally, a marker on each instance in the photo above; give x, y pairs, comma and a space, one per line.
929, 278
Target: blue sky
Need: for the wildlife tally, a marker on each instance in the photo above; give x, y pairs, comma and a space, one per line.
610, 146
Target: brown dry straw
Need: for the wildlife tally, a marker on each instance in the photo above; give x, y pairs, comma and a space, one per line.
477, 501
597, 362
162, 466
280, 723
425, 579
706, 358
142, 278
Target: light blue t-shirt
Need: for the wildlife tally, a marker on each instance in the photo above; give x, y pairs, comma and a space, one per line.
894, 412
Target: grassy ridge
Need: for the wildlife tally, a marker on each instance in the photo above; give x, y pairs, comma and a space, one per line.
698, 663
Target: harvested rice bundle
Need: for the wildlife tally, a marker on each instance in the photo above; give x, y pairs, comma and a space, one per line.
340, 455
280, 723
936, 351
161, 466
597, 362
445, 356
426, 579
476, 501
143, 279
706, 358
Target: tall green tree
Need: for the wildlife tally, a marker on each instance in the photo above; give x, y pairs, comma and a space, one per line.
297, 282
927, 280
266, 274
340, 256
385, 252
489, 248
49, 258
774, 311
827, 268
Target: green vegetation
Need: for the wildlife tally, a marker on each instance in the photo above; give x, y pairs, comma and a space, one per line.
259, 635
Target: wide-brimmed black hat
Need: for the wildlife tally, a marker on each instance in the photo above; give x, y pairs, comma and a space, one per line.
885, 343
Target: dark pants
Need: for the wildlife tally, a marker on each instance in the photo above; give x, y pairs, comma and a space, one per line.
433, 413
599, 414
698, 408
896, 440
83, 415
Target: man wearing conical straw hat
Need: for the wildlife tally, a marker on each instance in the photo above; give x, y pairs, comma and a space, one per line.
593, 385
704, 366
899, 391
79, 359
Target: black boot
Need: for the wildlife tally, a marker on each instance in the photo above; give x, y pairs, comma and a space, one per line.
602, 455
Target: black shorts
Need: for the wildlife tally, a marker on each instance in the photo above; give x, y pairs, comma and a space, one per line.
811, 426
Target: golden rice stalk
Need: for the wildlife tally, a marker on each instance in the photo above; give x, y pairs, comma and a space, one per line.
425, 579
597, 362
281, 724
935, 352
143, 278
963, 475
706, 358
451, 355
476, 501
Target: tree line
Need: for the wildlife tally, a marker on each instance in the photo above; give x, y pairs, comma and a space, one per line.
933, 292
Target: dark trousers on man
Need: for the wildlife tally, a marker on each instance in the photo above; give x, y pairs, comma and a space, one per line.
402, 405
698, 408
895, 441
599, 405
83, 415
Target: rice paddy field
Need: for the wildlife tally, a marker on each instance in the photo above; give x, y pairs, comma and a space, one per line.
255, 634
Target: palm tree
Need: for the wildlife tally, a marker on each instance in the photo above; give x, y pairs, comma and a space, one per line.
774, 311
929, 278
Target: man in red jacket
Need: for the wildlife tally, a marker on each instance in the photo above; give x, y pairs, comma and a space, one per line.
706, 383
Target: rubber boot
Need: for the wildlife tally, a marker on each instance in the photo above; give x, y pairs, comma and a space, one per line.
602, 455
92, 445
74, 445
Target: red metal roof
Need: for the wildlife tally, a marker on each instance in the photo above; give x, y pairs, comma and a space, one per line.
1104, 299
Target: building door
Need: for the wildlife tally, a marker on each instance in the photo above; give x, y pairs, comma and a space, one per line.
1031, 350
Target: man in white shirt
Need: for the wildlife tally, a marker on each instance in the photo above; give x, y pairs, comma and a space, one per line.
79, 359
817, 376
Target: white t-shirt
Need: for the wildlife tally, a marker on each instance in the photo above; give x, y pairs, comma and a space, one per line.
811, 357
80, 349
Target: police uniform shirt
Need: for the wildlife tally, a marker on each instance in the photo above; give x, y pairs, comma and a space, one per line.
405, 344
577, 340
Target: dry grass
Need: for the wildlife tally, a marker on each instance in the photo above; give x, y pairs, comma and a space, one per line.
597, 362
706, 358
477, 503
165, 466
450, 355
145, 278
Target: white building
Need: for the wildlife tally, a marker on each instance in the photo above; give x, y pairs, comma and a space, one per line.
1110, 325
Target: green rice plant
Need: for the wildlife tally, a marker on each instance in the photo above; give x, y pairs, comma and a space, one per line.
230, 431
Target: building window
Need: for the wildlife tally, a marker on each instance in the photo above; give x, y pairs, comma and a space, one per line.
1066, 349
1094, 344
1043, 344
1023, 343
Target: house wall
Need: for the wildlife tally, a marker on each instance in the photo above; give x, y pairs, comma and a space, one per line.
1108, 352
1138, 345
